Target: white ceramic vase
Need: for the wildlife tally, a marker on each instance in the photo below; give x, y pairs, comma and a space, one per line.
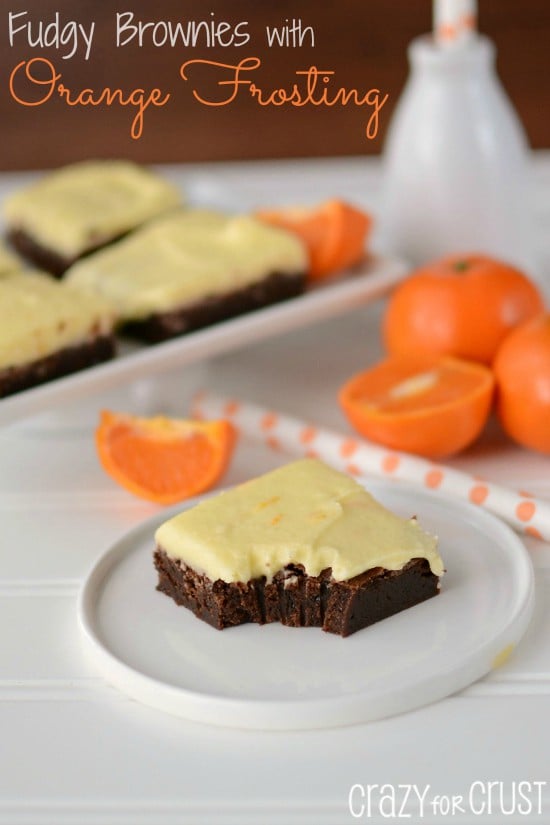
456, 160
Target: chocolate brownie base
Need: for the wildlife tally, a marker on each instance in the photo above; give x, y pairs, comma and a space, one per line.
22, 377
47, 259
296, 599
214, 308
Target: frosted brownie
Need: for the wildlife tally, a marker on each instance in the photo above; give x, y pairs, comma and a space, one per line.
304, 545
48, 330
79, 208
192, 268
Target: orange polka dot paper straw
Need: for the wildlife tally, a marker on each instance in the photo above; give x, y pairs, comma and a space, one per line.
454, 21
358, 457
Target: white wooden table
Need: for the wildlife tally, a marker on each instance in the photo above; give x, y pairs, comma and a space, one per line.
73, 750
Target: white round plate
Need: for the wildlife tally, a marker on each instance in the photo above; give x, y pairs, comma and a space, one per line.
288, 678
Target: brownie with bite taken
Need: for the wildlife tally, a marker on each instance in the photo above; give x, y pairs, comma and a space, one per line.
304, 545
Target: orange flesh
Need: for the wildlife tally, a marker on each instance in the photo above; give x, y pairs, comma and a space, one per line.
429, 406
354, 228
408, 388
333, 232
163, 460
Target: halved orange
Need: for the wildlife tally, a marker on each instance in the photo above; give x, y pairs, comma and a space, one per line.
334, 233
420, 404
161, 459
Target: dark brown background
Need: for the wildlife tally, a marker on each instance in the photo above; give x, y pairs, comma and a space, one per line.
363, 41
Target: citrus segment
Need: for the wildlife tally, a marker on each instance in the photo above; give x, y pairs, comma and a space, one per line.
161, 459
334, 233
420, 404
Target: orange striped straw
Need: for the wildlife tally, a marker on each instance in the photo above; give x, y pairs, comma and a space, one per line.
522, 511
454, 21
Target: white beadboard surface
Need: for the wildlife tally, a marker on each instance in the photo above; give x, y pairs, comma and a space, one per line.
74, 751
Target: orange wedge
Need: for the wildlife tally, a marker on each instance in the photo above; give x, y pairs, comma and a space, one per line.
164, 460
334, 233
420, 404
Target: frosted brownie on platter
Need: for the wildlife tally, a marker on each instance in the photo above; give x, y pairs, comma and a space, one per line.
82, 207
48, 330
304, 545
192, 268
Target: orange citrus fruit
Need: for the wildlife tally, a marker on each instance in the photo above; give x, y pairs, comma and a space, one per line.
522, 372
420, 404
164, 460
334, 233
464, 305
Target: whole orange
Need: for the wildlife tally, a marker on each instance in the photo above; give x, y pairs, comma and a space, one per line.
522, 372
463, 305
